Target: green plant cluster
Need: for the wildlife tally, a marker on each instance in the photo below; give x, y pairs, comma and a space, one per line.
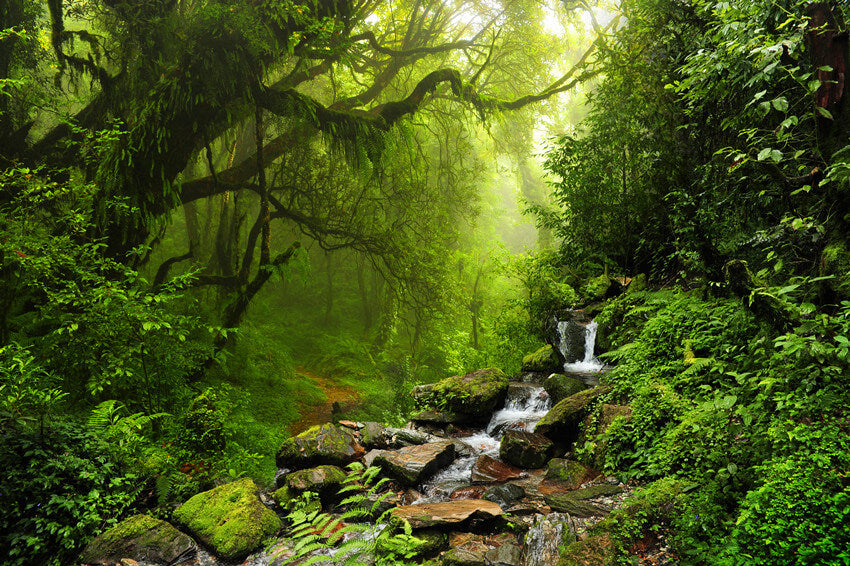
751, 423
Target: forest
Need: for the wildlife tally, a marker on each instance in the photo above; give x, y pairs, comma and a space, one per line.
226, 225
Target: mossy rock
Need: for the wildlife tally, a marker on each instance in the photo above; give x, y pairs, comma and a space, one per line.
140, 537
544, 360
319, 479
594, 491
230, 519
475, 394
559, 386
562, 422
462, 557
567, 472
565, 503
322, 444
596, 288
595, 550
525, 449
431, 541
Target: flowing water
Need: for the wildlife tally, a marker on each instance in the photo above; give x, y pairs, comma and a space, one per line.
589, 363
525, 405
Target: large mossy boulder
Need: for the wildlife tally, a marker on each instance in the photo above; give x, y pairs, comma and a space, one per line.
525, 449
559, 386
324, 480
322, 444
564, 475
140, 538
230, 519
544, 360
561, 423
474, 394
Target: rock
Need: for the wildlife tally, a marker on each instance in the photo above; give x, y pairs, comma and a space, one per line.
562, 421
566, 504
324, 480
468, 541
597, 288
474, 394
351, 424
525, 449
487, 469
504, 555
461, 557
505, 495
544, 360
431, 541
140, 537
566, 332
321, 444
372, 435
471, 492
369, 458
545, 538
560, 386
446, 513
423, 395
397, 437
594, 491
230, 519
412, 464
432, 416
564, 475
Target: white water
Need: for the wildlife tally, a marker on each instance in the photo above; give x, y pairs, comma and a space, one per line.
523, 409
589, 363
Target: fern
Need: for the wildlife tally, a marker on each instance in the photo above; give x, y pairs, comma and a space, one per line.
321, 538
619, 354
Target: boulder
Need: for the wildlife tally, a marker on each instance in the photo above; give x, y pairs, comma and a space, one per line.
564, 503
487, 470
560, 386
431, 541
563, 476
544, 360
140, 537
372, 435
474, 394
324, 480
397, 437
446, 513
504, 555
562, 421
230, 519
593, 428
322, 444
462, 557
505, 495
525, 449
546, 537
423, 395
411, 464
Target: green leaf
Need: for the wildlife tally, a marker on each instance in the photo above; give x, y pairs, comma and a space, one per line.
780, 104
824, 112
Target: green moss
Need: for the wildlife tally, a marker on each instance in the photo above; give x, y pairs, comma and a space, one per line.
560, 386
596, 288
568, 472
230, 519
475, 393
320, 444
563, 419
543, 360
138, 536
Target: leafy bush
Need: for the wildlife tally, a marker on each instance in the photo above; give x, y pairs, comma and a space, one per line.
57, 492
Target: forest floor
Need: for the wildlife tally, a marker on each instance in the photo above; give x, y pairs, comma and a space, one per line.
313, 414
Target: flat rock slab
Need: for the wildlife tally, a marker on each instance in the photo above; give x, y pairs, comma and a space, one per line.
411, 464
574, 507
447, 512
140, 537
487, 469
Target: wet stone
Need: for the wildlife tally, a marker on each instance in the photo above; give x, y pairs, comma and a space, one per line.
488, 469
566, 504
412, 464
505, 555
447, 512
461, 557
472, 492
505, 495
525, 449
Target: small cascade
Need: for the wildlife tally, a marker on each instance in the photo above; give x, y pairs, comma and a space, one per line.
525, 405
545, 537
588, 363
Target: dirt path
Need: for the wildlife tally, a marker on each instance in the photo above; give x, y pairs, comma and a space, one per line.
346, 396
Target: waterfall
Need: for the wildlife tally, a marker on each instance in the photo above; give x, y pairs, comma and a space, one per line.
577, 343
